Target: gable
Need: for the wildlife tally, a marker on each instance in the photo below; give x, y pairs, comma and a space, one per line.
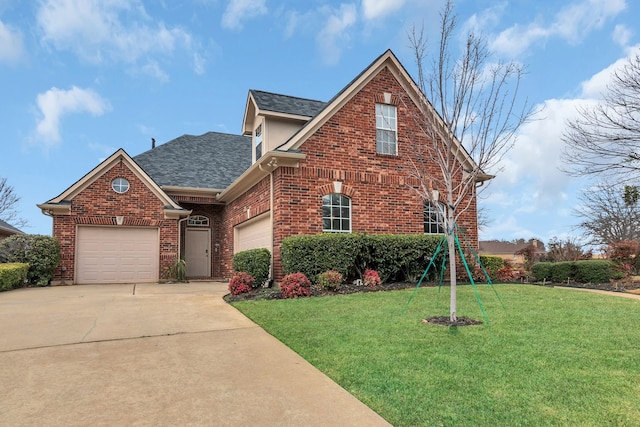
101, 178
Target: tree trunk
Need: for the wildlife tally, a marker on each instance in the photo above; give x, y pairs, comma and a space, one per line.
452, 265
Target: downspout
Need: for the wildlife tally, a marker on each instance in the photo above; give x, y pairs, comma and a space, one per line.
271, 198
180, 236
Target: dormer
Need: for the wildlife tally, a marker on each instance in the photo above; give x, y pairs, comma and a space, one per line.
271, 119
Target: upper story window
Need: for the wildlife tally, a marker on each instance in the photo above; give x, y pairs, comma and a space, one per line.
386, 129
336, 213
120, 185
198, 221
433, 220
258, 141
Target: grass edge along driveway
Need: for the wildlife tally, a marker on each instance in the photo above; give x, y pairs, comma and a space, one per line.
550, 357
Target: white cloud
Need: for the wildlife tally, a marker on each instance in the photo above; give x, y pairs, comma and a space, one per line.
373, 9
56, 103
240, 10
101, 30
622, 35
572, 23
11, 45
334, 34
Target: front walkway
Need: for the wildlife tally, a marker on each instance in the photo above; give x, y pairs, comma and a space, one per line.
155, 355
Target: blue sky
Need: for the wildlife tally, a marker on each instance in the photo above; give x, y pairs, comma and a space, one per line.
82, 78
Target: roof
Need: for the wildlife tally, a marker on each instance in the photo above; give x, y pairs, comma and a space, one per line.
278, 103
495, 247
212, 160
5, 226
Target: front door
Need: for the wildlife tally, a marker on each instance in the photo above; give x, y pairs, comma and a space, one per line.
197, 252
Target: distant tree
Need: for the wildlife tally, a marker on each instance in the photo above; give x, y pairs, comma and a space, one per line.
475, 100
569, 249
8, 205
609, 214
605, 138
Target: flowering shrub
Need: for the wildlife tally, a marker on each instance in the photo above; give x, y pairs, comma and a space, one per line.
241, 283
330, 279
295, 285
371, 279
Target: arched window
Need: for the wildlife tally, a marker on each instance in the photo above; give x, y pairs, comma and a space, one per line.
198, 221
336, 213
433, 220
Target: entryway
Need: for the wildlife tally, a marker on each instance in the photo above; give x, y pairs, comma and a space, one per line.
197, 252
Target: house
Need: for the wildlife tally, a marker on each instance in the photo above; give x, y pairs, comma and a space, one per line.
300, 166
7, 230
510, 251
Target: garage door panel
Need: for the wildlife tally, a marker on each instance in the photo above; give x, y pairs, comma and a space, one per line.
256, 234
117, 255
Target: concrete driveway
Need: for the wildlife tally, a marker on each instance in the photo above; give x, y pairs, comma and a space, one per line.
155, 355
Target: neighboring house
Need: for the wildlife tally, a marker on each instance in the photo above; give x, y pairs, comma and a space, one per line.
300, 167
509, 251
7, 230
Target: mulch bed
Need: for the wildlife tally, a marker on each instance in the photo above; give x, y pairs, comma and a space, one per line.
446, 321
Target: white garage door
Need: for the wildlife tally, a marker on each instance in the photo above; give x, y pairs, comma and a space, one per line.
254, 234
117, 255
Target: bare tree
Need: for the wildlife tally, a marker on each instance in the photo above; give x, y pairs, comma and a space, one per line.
609, 214
466, 125
605, 138
8, 205
569, 249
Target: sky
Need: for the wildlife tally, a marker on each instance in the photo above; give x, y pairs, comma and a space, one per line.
80, 79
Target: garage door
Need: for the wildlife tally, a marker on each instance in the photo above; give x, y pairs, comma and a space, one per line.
254, 234
117, 255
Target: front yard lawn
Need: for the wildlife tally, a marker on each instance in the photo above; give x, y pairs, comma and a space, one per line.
550, 357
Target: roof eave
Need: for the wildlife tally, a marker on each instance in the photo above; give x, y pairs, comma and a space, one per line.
260, 169
55, 208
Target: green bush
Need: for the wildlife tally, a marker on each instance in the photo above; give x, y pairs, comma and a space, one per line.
255, 262
42, 253
542, 271
585, 271
330, 279
594, 271
561, 271
492, 264
13, 275
394, 256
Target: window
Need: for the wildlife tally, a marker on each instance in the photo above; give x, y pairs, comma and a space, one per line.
198, 221
433, 223
258, 141
386, 129
336, 213
120, 185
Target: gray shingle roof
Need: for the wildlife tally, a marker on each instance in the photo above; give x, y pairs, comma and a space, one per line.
287, 104
8, 227
213, 160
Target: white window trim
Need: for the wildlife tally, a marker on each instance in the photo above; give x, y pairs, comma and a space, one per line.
387, 123
331, 218
118, 184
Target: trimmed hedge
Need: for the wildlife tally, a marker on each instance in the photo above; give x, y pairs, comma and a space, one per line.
255, 262
586, 271
13, 275
42, 253
393, 256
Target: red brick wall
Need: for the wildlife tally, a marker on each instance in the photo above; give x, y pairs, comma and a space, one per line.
98, 204
249, 205
344, 149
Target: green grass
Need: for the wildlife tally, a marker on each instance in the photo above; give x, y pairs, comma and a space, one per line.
550, 357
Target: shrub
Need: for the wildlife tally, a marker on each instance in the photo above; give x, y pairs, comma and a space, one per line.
542, 271
505, 274
241, 283
594, 271
42, 253
393, 256
13, 275
178, 270
492, 264
561, 271
295, 285
330, 280
371, 279
256, 262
